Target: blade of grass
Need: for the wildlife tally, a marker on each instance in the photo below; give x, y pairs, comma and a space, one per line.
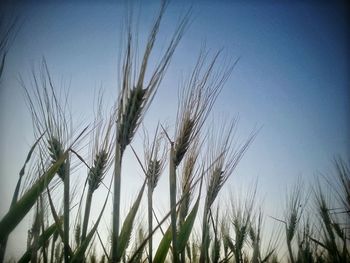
182, 236
22, 207
21, 173
163, 247
79, 253
186, 229
3, 241
57, 219
41, 242
198, 180
125, 233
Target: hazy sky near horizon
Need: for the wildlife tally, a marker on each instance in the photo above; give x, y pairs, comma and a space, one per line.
292, 80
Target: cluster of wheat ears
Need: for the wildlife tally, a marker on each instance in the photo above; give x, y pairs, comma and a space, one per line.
197, 164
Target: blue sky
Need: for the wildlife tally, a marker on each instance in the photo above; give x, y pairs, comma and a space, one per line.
291, 79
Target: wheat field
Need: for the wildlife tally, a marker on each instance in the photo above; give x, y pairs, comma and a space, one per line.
74, 172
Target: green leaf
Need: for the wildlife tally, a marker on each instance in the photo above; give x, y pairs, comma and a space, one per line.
125, 233
21, 173
41, 242
19, 210
57, 221
182, 236
163, 247
186, 228
79, 254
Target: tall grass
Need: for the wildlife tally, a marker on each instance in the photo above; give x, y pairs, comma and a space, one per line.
155, 162
196, 101
226, 159
199, 164
135, 97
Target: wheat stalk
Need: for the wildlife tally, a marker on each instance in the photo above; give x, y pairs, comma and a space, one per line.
49, 115
188, 174
102, 150
134, 100
196, 101
228, 157
293, 214
155, 161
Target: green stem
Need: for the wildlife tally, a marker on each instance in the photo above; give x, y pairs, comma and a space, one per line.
18, 211
116, 203
182, 217
172, 181
290, 249
52, 249
66, 212
203, 252
86, 214
150, 221
3, 241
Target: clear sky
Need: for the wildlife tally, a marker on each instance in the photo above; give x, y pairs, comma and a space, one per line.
292, 79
